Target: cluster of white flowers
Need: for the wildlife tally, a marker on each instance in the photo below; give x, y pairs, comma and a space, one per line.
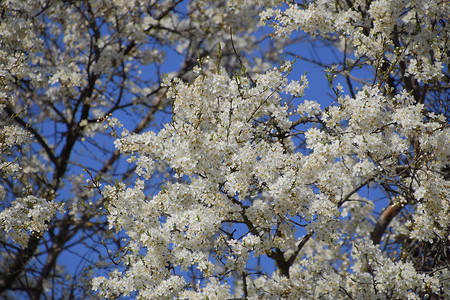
224, 138
234, 162
29, 215
13, 135
10, 137
397, 280
219, 139
395, 29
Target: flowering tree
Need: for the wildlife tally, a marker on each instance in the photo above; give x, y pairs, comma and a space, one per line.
65, 67
245, 170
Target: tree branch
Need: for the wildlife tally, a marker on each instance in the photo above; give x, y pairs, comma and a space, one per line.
383, 222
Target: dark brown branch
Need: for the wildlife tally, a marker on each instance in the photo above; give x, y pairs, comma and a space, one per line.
383, 222
300, 246
356, 189
21, 259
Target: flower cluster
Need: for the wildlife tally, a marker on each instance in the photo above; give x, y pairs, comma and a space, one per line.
28, 216
414, 32
233, 162
230, 148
